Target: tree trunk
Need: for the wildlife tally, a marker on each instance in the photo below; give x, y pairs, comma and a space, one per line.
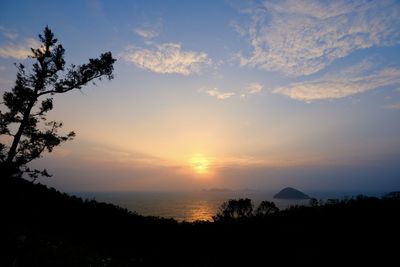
17, 137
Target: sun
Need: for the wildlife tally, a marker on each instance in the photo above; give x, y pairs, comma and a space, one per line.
199, 163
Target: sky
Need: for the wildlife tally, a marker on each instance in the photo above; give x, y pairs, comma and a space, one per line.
232, 94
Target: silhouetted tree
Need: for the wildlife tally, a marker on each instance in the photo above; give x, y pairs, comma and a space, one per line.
24, 131
313, 202
235, 209
266, 208
332, 201
395, 195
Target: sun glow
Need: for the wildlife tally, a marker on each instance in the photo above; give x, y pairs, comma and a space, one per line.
199, 163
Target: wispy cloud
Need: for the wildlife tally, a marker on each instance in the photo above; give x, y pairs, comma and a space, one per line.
303, 37
254, 88
114, 156
238, 28
167, 58
8, 33
19, 51
146, 34
221, 95
350, 81
250, 89
394, 106
150, 30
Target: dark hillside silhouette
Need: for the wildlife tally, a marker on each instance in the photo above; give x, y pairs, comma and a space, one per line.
43, 227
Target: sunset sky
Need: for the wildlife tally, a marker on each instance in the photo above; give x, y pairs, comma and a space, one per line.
235, 94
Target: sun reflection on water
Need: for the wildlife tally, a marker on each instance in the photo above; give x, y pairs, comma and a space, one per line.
201, 211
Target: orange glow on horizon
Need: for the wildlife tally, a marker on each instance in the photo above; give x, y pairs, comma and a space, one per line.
199, 163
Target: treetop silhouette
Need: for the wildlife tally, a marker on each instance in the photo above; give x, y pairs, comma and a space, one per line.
25, 133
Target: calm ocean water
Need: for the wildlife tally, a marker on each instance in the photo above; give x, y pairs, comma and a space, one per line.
190, 206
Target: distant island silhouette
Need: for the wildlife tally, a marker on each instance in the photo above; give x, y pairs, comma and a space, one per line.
290, 193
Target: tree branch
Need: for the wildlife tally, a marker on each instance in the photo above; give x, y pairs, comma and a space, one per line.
69, 88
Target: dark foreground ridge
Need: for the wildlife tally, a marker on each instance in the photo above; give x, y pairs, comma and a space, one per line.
43, 227
291, 193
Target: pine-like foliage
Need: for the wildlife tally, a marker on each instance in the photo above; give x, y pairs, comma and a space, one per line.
25, 132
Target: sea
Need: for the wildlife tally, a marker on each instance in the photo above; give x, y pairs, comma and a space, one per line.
196, 205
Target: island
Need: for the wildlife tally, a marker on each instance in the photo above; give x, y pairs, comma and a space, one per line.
291, 193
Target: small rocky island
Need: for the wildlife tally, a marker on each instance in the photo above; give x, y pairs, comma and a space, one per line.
291, 193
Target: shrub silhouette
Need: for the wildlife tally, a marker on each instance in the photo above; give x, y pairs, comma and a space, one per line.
235, 209
266, 208
392, 195
313, 202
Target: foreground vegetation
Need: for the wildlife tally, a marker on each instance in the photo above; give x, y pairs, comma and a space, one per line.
43, 227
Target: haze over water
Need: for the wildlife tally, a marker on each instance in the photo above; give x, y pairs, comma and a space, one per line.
196, 205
